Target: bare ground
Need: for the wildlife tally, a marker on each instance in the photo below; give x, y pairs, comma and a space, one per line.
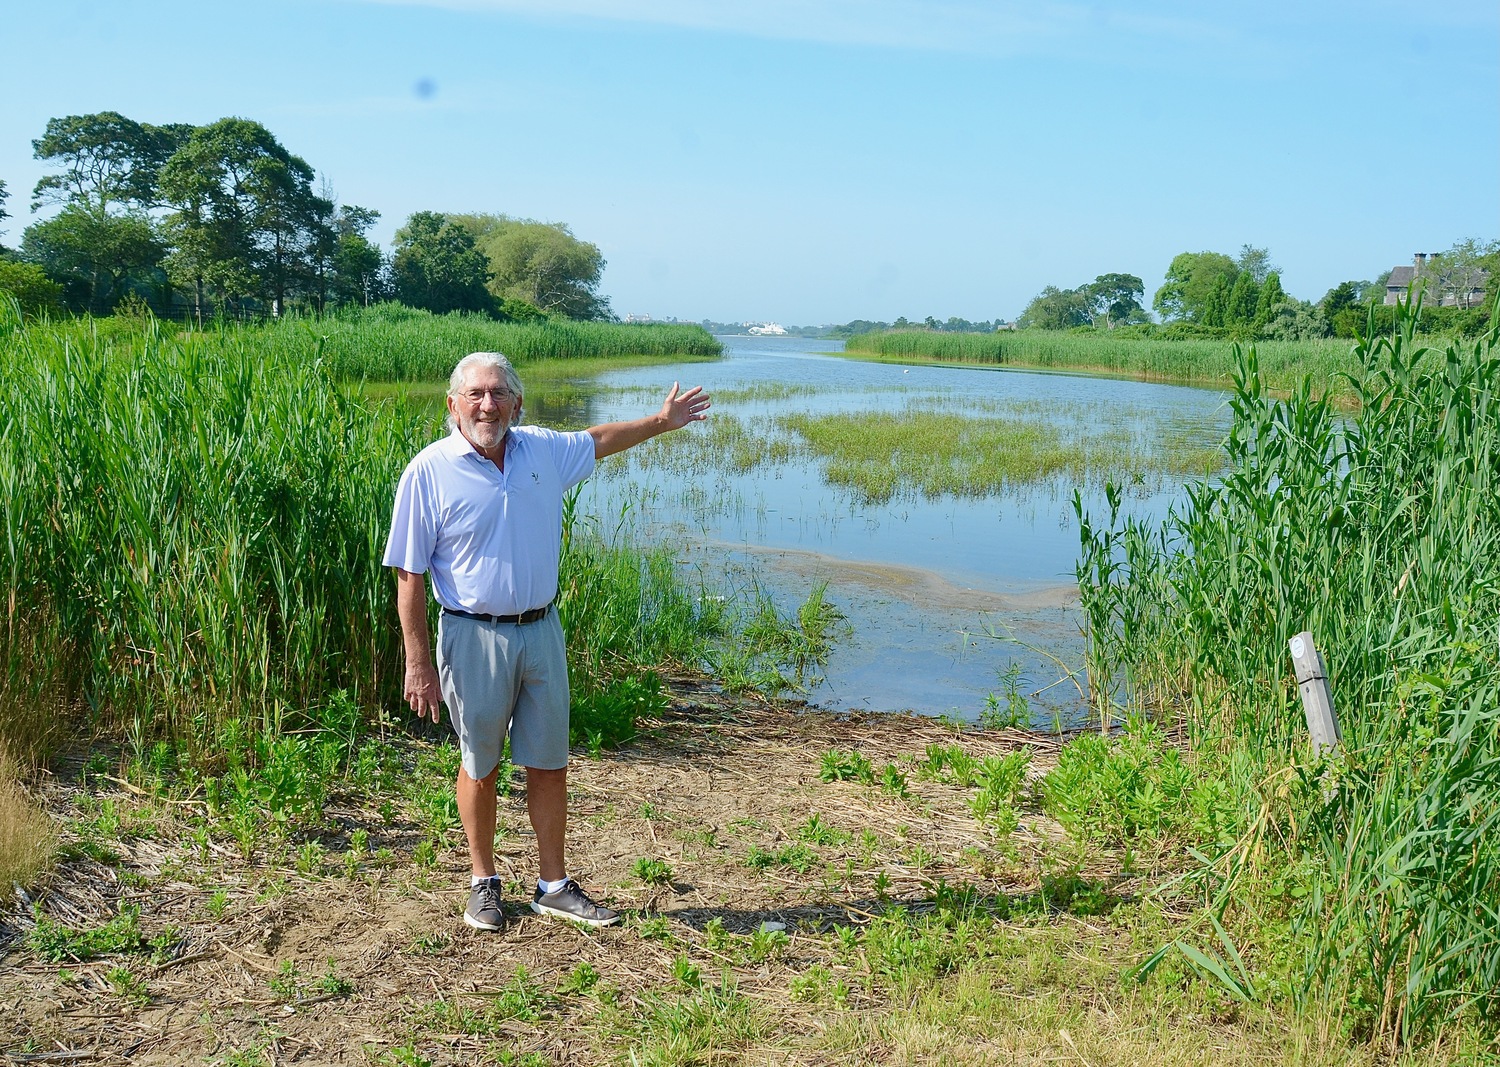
719, 778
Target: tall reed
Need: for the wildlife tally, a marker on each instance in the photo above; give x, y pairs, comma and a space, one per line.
1380, 533
194, 525
1200, 362
391, 342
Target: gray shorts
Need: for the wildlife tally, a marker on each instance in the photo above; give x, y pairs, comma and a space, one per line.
503, 676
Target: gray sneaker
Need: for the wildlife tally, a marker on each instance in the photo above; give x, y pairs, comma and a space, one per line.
483, 912
572, 903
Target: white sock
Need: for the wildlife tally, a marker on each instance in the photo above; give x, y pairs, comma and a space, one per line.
475, 879
551, 887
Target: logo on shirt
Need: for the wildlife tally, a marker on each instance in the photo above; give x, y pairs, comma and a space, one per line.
536, 477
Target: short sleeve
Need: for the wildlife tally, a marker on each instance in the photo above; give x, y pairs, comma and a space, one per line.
413, 522
573, 455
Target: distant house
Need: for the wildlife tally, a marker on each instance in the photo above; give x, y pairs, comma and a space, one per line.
1426, 266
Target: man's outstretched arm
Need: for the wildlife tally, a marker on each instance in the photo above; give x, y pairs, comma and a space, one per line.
677, 411
422, 690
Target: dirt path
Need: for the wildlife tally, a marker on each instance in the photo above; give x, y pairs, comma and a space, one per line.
363, 957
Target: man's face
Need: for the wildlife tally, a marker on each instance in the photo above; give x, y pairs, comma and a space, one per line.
485, 407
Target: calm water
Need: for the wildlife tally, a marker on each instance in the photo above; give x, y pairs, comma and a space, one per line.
941, 595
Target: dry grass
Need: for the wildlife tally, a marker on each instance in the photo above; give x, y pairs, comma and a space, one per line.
27, 836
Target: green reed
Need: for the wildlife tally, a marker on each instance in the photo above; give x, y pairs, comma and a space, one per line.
1201, 362
390, 342
1380, 533
194, 525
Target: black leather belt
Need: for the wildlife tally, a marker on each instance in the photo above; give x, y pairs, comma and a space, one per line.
533, 615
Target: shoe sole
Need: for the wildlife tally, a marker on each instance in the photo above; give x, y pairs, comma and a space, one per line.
553, 913
476, 924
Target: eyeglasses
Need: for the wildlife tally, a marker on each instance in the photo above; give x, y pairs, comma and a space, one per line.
476, 396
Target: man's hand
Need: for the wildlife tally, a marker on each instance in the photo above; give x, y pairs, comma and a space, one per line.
421, 688
423, 692
679, 409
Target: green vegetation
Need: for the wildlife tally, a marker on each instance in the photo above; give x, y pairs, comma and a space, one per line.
1361, 886
1200, 361
193, 533
934, 452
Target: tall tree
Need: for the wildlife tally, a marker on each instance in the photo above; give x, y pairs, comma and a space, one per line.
1256, 262
1190, 285
3, 213
1239, 308
107, 160
357, 261
243, 209
540, 263
1271, 297
93, 253
1458, 274
1114, 297
1056, 309
435, 265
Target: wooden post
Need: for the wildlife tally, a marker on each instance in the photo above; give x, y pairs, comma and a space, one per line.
1317, 703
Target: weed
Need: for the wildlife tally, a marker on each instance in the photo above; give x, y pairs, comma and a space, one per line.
54, 942
817, 832
127, 985
798, 857
652, 871
893, 781
685, 972
840, 766
581, 979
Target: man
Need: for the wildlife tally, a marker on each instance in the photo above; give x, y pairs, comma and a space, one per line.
481, 510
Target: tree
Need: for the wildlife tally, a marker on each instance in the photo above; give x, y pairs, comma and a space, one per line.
1271, 297
93, 252
437, 266
1239, 308
1056, 309
1341, 296
1190, 285
3, 213
29, 285
357, 262
1256, 262
1116, 297
1457, 274
106, 159
243, 212
541, 263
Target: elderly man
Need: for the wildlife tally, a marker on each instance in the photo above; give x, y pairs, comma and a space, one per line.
481, 510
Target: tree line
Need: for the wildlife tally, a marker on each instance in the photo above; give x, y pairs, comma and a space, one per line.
222, 218
1213, 294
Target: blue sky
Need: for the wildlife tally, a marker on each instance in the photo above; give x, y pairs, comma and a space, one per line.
825, 160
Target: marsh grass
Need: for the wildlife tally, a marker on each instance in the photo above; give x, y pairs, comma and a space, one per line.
943, 448
1380, 534
1199, 362
931, 452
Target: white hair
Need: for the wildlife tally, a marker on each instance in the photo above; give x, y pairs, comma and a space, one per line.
460, 376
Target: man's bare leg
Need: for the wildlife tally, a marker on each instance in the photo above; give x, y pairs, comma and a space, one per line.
547, 804
476, 809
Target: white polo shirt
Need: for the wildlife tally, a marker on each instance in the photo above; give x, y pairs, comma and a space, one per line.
490, 538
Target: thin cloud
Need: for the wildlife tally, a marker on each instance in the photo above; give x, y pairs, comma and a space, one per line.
1003, 27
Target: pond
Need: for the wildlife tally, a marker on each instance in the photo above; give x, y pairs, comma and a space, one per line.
953, 587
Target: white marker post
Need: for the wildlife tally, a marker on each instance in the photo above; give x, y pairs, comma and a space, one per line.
1317, 702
